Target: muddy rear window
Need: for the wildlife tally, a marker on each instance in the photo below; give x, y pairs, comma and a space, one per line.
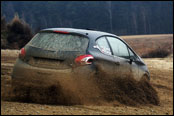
59, 42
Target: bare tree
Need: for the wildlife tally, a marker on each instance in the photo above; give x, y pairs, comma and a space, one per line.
3, 23
134, 19
143, 12
19, 33
110, 14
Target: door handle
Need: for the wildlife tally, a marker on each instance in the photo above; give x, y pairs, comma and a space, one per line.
117, 63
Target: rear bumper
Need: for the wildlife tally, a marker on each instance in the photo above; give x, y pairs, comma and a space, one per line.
23, 72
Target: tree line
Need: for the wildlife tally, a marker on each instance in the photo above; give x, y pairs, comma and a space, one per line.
118, 17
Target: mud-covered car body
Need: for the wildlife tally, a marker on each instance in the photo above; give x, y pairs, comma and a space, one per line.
62, 52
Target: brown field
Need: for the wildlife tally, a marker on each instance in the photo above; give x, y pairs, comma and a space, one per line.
161, 70
142, 44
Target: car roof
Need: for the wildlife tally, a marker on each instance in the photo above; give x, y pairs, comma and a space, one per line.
89, 33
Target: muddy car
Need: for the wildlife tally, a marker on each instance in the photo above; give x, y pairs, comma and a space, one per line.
62, 52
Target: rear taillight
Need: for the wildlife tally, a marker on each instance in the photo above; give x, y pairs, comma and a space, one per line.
84, 59
22, 53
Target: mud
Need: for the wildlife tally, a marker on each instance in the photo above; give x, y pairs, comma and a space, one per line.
127, 90
69, 91
77, 90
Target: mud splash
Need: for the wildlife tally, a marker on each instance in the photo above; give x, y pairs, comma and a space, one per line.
128, 91
98, 90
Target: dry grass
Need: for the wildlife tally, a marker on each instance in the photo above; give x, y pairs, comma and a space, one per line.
144, 44
157, 53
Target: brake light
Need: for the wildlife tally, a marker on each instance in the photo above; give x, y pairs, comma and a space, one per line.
22, 53
84, 59
64, 32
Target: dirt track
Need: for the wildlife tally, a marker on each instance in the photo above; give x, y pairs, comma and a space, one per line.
161, 79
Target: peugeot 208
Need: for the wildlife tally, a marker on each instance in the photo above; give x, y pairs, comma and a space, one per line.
66, 51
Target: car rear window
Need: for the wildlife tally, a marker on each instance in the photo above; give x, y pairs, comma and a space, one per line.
59, 42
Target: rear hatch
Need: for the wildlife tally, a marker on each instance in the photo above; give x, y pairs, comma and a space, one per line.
55, 50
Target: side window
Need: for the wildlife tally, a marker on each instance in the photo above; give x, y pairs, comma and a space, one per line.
132, 55
118, 47
103, 45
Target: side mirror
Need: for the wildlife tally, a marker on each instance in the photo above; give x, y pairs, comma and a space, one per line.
131, 60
